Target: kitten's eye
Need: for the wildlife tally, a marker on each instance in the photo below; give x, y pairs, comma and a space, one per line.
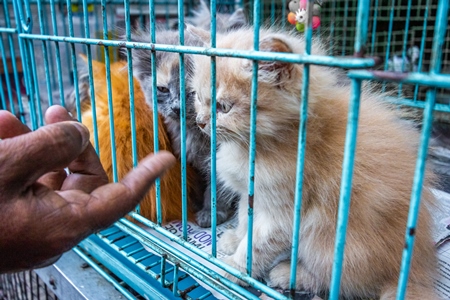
191, 94
223, 107
162, 89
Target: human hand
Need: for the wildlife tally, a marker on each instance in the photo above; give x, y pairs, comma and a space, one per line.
45, 212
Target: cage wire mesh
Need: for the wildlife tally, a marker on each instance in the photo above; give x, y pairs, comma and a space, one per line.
37, 73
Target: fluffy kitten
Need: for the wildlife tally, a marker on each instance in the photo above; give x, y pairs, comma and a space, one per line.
224, 22
383, 172
171, 182
168, 93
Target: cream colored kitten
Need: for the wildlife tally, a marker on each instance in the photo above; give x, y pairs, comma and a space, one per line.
382, 182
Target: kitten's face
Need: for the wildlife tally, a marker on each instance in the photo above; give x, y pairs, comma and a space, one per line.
168, 90
168, 75
278, 92
232, 98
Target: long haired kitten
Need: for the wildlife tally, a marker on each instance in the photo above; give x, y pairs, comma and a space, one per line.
171, 206
168, 93
382, 181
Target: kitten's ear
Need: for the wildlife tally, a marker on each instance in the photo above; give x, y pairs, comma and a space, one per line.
274, 72
142, 64
199, 33
141, 58
237, 20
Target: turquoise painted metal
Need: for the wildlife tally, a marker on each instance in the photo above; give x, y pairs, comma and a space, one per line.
58, 58
213, 133
102, 272
252, 147
350, 63
155, 107
183, 121
45, 53
349, 154
438, 41
131, 90
119, 248
300, 158
91, 78
108, 88
389, 38
422, 47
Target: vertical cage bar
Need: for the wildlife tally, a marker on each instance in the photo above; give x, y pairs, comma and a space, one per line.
57, 54
2, 98
74, 60
131, 89
131, 84
175, 280
388, 46
162, 278
155, 106
422, 46
26, 26
361, 27
344, 28
374, 27
300, 157
362, 23
213, 133
405, 41
37, 97
108, 87
6, 74
44, 53
12, 52
252, 151
65, 32
50, 52
111, 7
416, 194
91, 78
22, 27
183, 121
346, 185
435, 67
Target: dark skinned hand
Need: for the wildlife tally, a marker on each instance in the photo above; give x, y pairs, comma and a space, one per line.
45, 212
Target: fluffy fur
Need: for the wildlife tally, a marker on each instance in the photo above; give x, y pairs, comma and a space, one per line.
168, 94
171, 182
224, 22
382, 181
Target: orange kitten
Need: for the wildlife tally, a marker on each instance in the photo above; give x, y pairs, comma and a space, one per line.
383, 172
171, 181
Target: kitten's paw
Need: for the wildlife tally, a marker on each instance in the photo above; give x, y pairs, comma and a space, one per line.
229, 260
203, 217
228, 242
279, 276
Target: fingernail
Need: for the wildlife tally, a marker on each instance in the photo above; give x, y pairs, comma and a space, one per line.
84, 134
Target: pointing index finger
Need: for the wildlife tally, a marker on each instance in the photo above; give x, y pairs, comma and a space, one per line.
114, 200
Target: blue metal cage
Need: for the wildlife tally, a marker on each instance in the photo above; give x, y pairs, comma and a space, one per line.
40, 43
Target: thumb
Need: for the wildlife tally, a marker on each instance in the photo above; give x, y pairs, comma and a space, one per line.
29, 156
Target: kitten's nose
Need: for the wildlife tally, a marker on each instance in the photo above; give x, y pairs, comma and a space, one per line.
176, 110
201, 125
